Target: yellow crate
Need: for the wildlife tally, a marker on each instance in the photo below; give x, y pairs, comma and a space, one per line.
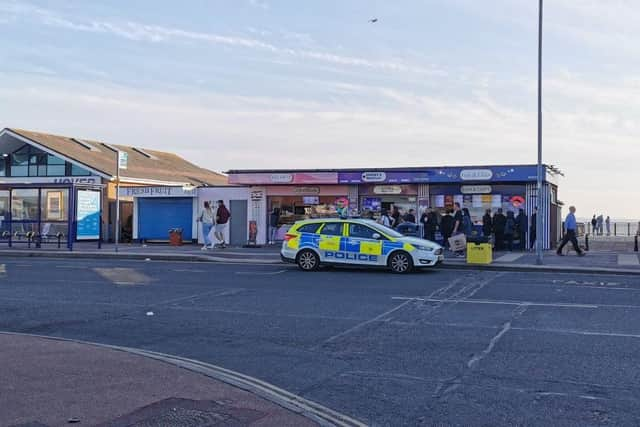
479, 253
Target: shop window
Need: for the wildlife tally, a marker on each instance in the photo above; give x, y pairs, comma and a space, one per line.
332, 229
24, 204
361, 231
309, 228
53, 204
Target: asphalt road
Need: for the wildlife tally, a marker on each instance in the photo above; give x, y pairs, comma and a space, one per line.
431, 348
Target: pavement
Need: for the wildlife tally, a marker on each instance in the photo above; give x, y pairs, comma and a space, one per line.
54, 382
445, 347
604, 257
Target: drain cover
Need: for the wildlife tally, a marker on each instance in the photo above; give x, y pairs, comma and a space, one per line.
174, 412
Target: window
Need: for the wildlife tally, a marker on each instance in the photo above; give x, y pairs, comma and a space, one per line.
30, 161
78, 171
361, 231
332, 229
24, 204
309, 228
54, 204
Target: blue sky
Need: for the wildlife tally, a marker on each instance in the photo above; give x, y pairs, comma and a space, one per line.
267, 83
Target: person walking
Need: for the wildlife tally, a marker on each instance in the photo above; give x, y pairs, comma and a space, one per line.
594, 225
467, 223
446, 227
607, 223
274, 219
522, 225
206, 217
499, 221
222, 221
532, 228
509, 230
487, 223
410, 216
458, 218
570, 226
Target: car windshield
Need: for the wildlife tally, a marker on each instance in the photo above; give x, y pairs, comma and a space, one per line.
386, 230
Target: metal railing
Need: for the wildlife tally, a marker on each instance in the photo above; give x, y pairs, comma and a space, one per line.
623, 229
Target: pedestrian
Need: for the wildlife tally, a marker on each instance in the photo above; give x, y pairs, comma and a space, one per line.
509, 230
446, 227
458, 219
594, 225
532, 228
607, 223
487, 223
222, 221
600, 222
522, 225
499, 221
395, 216
467, 223
206, 217
274, 220
431, 226
385, 219
570, 226
410, 216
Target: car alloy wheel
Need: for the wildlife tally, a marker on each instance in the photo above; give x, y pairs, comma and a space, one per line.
400, 263
308, 260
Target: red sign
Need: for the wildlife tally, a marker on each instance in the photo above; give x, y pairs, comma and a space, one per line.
517, 201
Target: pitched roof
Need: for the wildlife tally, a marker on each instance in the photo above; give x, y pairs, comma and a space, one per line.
143, 164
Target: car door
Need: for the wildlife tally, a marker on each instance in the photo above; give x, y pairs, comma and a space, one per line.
361, 240
330, 244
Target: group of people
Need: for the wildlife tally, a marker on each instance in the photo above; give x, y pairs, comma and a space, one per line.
214, 221
597, 225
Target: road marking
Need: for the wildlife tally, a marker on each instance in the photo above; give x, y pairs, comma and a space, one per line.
499, 302
213, 293
577, 332
509, 257
260, 273
186, 270
3, 270
123, 276
628, 259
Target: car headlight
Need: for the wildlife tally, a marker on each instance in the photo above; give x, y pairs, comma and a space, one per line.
424, 248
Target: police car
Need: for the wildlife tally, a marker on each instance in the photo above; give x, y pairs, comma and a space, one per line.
362, 242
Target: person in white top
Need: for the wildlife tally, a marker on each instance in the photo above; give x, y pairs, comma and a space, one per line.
206, 217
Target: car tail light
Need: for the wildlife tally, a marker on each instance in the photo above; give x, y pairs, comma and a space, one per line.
288, 237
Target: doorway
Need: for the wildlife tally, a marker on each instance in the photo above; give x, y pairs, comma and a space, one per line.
238, 227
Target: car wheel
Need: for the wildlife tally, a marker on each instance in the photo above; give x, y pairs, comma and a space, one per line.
400, 262
308, 260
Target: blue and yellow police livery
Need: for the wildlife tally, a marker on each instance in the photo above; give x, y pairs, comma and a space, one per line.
362, 242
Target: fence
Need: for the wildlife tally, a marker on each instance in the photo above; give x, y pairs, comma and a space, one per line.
628, 229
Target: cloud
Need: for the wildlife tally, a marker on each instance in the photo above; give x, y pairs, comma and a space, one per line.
261, 4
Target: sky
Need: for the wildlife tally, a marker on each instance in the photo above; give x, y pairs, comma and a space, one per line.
241, 84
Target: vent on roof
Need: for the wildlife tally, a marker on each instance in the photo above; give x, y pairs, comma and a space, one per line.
85, 144
144, 153
110, 147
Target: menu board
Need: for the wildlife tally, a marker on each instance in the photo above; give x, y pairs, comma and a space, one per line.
88, 215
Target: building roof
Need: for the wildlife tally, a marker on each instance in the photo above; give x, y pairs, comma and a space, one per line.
144, 166
376, 169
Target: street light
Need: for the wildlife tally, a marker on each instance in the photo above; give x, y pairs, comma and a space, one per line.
539, 223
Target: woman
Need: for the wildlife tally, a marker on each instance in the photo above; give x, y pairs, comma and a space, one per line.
467, 224
509, 230
206, 218
487, 224
385, 219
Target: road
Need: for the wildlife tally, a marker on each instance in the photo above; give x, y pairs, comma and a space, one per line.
431, 348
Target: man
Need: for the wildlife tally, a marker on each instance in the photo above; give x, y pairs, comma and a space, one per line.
570, 226
222, 220
532, 228
446, 227
522, 224
410, 216
457, 224
499, 221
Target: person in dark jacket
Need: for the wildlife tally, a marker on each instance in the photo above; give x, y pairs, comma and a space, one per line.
429, 221
509, 230
467, 222
410, 216
487, 223
446, 227
395, 216
532, 228
499, 221
522, 225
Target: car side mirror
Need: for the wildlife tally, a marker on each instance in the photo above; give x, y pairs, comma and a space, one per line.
376, 236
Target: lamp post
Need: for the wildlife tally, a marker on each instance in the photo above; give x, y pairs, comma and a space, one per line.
541, 211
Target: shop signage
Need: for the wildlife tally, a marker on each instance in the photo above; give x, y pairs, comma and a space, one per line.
311, 200
475, 189
306, 190
281, 178
88, 215
517, 201
247, 178
387, 189
52, 180
257, 195
476, 174
373, 176
156, 192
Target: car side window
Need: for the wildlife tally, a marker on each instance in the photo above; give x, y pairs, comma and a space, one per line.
361, 231
309, 228
332, 229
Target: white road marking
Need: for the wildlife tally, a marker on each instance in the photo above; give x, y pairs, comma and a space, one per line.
509, 257
260, 273
578, 332
186, 270
628, 259
3, 270
123, 276
498, 302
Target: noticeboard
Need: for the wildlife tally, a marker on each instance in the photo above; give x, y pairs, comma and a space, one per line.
88, 215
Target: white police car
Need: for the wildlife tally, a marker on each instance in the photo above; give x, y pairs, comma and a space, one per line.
362, 242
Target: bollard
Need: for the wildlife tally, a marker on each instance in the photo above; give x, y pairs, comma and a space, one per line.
586, 242
635, 245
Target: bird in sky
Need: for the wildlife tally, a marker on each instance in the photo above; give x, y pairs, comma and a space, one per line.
374, 20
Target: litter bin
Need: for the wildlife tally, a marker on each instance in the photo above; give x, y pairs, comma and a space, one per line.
479, 253
175, 236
